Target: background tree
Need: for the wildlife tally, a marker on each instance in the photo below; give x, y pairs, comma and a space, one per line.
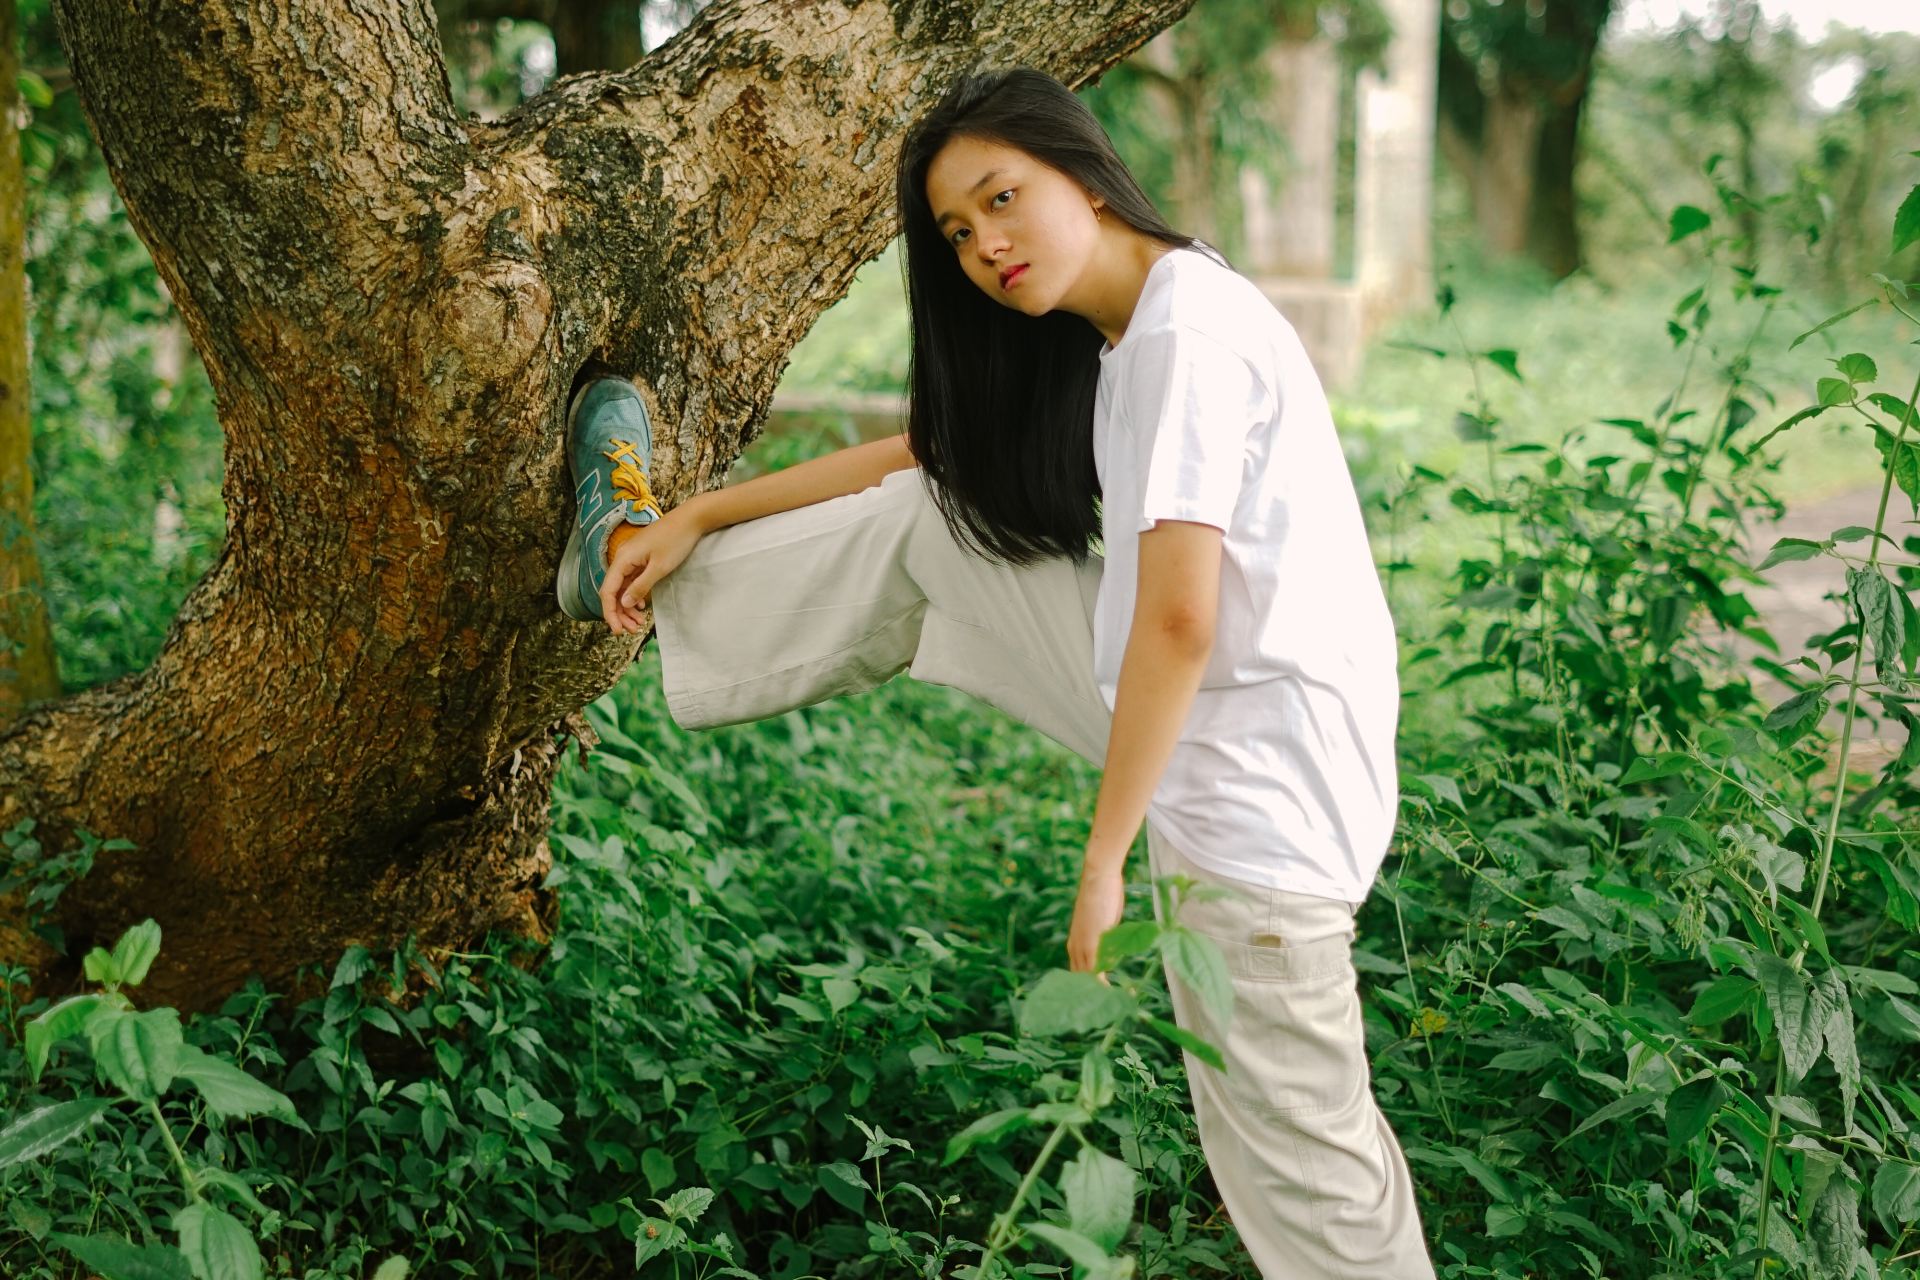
1199, 101
28, 669
1513, 82
350, 731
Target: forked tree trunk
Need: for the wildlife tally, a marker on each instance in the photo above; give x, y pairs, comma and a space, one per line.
352, 728
28, 672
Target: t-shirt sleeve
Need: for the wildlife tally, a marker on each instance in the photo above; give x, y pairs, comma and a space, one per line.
1188, 402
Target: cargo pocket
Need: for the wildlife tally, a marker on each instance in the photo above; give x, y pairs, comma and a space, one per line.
1295, 1044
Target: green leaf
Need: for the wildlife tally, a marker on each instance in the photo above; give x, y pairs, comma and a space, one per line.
1794, 718
99, 967
1778, 866
216, 1245
1833, 391
1083, 1251
133, 954
1634, 1102
1893, 406
1685, 220
1128, 938
1506, 359
48, 1128
1872, 596
988, 1128
1691, 1107
1722, 999
1505, 1220
840, 992
654, 1237
355, 963
843, 1182
117, 1258
1856, 367
1896, 1195
687, 1204
1831, 990
1906, 222
806, 1009
1792, 549
1096, 1080
137, 1052
1904, 463
1192, 1043
233, 1184
1472, 428
1199, 963
1064, 1002
1099, 1192
37, 92
68, 1018
1443, 788
1832, 320
657, 1167
232, 1092
1798, 1021
394, 1268
1838, 1242
1796, 1109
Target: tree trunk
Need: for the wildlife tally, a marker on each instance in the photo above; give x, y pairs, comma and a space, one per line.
351, 730
1180, 96
1517, 147
1553, 234
1503, 171
28, 672
1293, 232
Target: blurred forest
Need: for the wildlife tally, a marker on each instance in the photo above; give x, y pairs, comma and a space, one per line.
1641, 977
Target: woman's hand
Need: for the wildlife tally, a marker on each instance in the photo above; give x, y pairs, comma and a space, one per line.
1102, 901
641, 559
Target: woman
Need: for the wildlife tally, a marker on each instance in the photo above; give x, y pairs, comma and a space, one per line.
1080, 370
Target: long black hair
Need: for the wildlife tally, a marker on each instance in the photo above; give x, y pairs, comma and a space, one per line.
1000, 408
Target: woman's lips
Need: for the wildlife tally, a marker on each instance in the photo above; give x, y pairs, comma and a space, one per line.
1013, 276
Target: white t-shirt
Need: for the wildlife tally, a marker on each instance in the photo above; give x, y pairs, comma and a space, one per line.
1209, 410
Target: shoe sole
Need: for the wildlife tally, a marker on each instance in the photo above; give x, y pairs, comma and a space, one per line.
569, 575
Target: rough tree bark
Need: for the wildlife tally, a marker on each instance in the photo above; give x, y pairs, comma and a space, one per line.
28, 672
351, 730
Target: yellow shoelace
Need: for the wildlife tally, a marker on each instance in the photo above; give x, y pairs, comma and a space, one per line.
629, 481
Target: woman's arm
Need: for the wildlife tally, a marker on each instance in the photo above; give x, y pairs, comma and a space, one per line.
1168, 643
843, 471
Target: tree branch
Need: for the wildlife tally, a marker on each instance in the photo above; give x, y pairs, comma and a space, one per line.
275, 157
757, 148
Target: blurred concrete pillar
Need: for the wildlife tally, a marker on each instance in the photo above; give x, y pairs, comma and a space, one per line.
1291, 231
1394, 136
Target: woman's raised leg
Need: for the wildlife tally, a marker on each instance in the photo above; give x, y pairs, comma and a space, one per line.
839, 596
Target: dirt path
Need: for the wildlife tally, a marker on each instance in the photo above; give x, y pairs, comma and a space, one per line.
1795, 603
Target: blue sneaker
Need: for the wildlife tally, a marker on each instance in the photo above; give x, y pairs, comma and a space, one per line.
609, 447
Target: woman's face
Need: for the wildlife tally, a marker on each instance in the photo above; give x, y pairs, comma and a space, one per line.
999, 210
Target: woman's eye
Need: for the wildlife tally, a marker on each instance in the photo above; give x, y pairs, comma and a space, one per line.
954, 239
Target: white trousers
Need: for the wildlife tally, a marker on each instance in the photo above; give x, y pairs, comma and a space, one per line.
838, 597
